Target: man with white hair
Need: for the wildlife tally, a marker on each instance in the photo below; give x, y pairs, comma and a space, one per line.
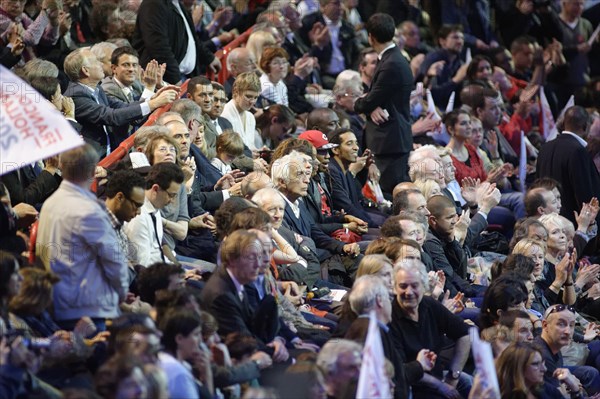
305, 268
348, 87
239, 60
290, 175
369, 293
340, 361
421, 322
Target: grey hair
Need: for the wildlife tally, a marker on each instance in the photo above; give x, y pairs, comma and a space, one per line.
188, 110
553, 218
412, 265
145, 133
331, 351
265, 194
99, 48
38, 68
365, 291
280, 170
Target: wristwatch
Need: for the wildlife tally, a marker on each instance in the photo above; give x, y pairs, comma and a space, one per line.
453, 375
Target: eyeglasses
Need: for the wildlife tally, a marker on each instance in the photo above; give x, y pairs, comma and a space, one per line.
138, 205
171, 195
558, 309
164, 150
279, 63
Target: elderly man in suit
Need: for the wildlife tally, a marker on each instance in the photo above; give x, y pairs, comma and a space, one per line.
388, 132
566, 160
94, 110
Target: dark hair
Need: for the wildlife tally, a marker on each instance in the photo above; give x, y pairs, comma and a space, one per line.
178, 322
445, 30
163, 174
391, 227
576, 119
251, 218
240, 345
228, 209
451, 118
8, 265
123, 181
506, 291
518, 264
379, 245
381, 27
167, 300
45, 85
110, 374
197, 81
520, 42
119, 51
155, 277
534, 198
400, 201
473, 67
335, 136
279, 111
508, 318
362, 58
522, 230
217, 86
394, 250
288, 145
547, 183
439, 203
35, 294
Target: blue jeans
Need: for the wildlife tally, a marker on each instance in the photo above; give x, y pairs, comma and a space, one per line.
588, 376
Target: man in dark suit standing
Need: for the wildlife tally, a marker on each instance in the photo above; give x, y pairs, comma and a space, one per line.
94, 110
388, 133
566, 160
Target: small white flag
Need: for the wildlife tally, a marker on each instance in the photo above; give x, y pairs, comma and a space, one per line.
523, 162
570, 103
373, 382
594, 36
484, 362
431, 109
450, 105
550, 131
31, 128
468, 56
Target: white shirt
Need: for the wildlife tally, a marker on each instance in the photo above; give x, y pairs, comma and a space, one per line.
278, 93
337, 63
238, 287
142, 238
222, 166
391, 46
146, 94
579, 139
244, 124
188, 63
294, 205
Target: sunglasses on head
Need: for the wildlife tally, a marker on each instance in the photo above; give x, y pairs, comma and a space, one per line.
558, 309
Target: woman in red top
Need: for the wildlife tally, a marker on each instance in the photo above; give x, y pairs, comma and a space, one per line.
464, 156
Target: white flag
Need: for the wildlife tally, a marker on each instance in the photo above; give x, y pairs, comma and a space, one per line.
468, 56
373, 382
570, 103
484, 362
550, 131
31, 128
431, 107
450, 105
523, 162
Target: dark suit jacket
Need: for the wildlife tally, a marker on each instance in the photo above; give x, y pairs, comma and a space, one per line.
295, 271
112, 89
160, 34
224, 123
567, 161
203, 196
313, 204
31, 189
306, 226
347, 41
219, 297
390, 90
93, 115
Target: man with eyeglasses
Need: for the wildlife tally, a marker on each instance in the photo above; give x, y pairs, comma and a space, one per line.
145, 231
558, 328
124, 199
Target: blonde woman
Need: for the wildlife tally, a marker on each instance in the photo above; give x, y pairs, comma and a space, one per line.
257, 42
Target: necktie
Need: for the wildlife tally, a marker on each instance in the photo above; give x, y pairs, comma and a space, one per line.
162, 255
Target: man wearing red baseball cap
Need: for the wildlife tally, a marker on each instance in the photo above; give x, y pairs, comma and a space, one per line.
319, 140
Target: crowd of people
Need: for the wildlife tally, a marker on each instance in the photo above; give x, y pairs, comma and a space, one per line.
388, 159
